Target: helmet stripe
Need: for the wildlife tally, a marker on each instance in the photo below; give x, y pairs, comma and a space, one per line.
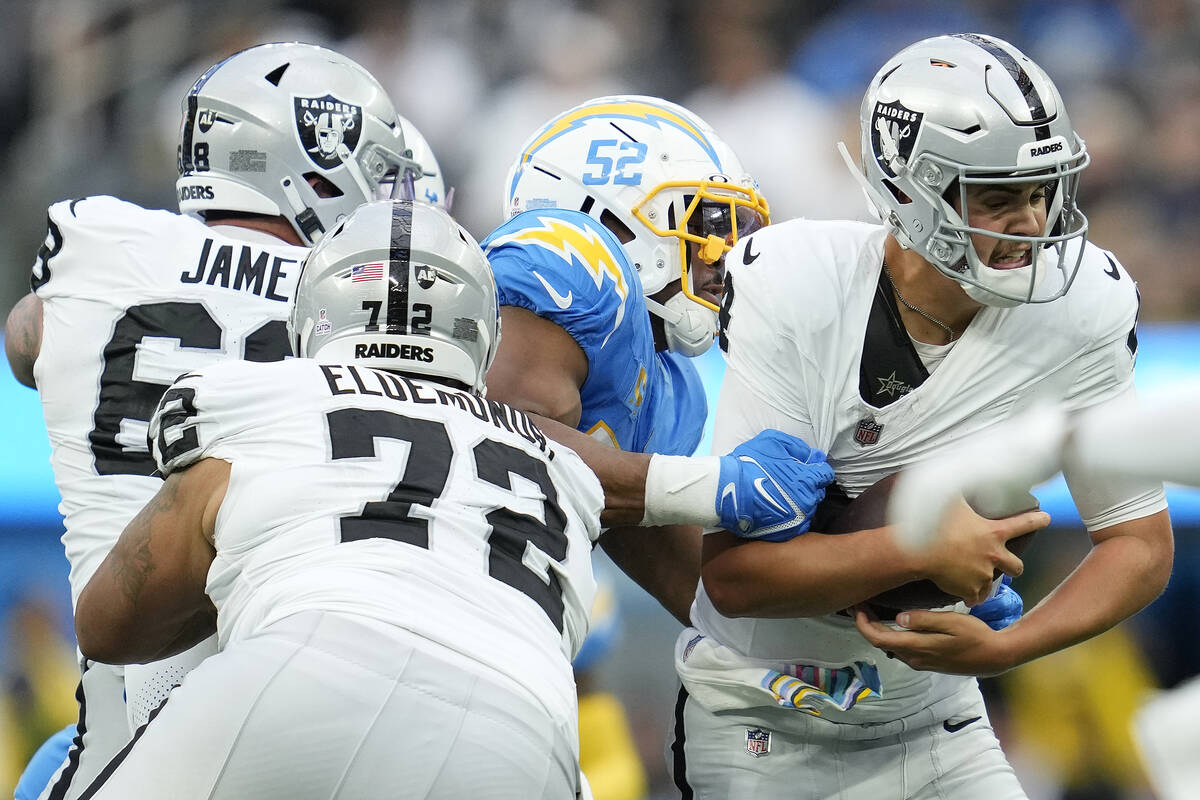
1037, 109
185, 145
627, 109
399, 267
189, 122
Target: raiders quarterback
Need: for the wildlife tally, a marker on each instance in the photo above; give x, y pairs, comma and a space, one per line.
885, 345
125, 299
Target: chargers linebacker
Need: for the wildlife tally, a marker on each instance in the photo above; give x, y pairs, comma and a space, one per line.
610, 271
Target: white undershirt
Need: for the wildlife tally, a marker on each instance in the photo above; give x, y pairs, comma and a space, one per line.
931, 354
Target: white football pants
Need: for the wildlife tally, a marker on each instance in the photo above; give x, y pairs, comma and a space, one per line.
320, 706
113, 703
759, 753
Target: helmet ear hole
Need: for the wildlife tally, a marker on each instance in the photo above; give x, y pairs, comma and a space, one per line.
322, 185
622, 231
900, 196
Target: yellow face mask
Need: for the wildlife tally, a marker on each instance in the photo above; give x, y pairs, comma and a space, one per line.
716, 215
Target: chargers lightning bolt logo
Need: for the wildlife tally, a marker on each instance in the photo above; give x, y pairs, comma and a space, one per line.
578, 245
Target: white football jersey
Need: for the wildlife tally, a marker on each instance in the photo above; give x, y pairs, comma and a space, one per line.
398, 500
131, 299
815, 348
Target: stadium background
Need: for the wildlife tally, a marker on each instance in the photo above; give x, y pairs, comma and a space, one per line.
90, 92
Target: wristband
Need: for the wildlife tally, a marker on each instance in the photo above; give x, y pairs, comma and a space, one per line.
680, 490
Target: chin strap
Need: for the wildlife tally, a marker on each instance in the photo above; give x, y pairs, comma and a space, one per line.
305, 218
690, 327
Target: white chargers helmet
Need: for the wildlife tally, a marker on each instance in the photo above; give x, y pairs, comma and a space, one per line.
657, 176
954, 111
399, 285
290, 129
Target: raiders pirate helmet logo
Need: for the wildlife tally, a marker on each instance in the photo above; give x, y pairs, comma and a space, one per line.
894, 130
329, 129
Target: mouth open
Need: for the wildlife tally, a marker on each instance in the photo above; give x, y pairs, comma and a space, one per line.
1013, 260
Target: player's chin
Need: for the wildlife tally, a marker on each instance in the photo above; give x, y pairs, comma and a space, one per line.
713, 293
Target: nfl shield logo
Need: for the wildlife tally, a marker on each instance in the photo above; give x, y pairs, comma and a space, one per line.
868, 431
758, 742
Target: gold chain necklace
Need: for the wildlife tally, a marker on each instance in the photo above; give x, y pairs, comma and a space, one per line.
949, 331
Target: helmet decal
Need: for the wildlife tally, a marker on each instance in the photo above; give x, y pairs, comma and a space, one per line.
328, 129
1037, 108
425, 277
399, 271
631, 109
894, 130
445, 324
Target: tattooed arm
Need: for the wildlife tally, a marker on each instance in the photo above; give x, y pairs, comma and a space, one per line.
23, 337
147, 600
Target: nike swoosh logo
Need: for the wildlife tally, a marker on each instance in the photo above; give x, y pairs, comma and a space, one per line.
749, 258
562, 301
730, 489
955, 727
1113, 273
758, 485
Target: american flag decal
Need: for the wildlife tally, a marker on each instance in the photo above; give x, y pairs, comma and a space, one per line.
367, 272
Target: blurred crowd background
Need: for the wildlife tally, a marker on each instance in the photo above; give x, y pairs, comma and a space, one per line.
90, 93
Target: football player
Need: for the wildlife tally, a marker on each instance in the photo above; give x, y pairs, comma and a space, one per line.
884, 345
610, 271
398, 569
125, 299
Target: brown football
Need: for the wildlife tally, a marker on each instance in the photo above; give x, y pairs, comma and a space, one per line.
837, 514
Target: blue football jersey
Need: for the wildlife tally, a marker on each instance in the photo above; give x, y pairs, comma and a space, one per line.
568, 268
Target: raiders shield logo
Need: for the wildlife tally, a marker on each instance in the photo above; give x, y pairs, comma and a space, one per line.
894, 130
425, 276
328, 128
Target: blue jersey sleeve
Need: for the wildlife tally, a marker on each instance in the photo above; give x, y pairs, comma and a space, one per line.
568, 268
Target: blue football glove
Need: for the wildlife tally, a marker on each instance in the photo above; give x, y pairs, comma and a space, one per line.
1001, 609
769, 487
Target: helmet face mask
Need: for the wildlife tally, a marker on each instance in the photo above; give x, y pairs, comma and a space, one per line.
293, 130
655, 174
710, 214
954, 113
399, 285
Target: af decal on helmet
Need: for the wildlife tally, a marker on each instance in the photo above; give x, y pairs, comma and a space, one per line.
294, 130
657, 176
952, 112
399, 285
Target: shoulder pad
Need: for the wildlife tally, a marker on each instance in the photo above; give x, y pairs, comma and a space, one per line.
566, 267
